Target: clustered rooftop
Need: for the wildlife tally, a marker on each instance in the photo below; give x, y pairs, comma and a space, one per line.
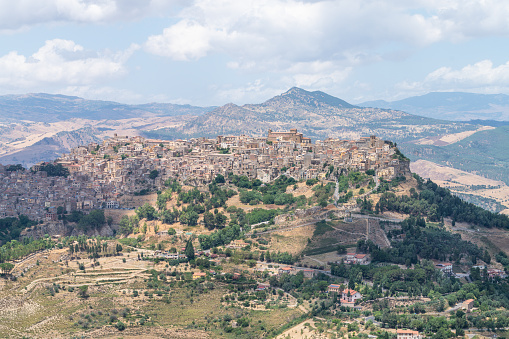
107, 175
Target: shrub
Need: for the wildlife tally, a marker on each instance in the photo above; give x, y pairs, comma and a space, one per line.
120, 326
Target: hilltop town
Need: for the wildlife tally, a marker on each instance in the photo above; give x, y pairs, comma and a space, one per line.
104, 176
244, 237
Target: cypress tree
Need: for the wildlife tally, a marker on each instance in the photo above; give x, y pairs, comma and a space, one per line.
189, 250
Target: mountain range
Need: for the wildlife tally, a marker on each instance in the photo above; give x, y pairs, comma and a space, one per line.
457, 106
41, 107
316, 114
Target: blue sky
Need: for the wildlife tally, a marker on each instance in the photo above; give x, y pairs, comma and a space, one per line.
211, 52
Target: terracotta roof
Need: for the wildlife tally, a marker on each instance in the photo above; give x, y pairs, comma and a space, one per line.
407, 332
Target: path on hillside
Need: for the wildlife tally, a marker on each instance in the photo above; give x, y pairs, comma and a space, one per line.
341, 230
365, 216
377, 183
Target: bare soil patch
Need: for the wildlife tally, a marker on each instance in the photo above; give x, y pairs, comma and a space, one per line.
293, 241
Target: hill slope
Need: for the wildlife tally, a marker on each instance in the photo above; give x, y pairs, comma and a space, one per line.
484, 152
41, 107
451, 105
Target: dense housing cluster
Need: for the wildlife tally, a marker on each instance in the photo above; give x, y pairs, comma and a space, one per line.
103, 175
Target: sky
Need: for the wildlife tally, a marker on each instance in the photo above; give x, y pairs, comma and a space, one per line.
213, 52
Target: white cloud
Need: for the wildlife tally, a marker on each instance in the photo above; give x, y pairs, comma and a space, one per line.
310, 44
289, 30
185, 40
482, 77
460, 19
18, 14
61, 63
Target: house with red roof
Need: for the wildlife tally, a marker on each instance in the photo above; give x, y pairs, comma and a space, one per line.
408, 334
349, 296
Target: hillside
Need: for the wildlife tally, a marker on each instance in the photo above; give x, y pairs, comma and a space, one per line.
487, 193
484, 152
41, 107
317, 115
53, 147
276, 283
52, 124
451, 106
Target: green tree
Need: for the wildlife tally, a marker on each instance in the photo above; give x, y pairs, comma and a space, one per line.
219, 179
124, 226
83, 291
220, 220
6, 267
209, 220
146, 211
120, 326
189, 249
153, 174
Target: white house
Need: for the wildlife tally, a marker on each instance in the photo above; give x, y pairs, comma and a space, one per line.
408, 334
348, 297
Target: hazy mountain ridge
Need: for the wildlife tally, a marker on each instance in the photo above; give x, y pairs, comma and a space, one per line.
451, 105
41, 107
52, 147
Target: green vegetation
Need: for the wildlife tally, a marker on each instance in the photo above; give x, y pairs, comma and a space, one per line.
15, 249
320, 244
323, 193
14, 168
146, 212
254, 192
86, 222
10, 228
419, 241
223, 150
259, 215
6, 268
486, 203
321, 228
436, 203
220, 237
54, 170
128, 224
153, 174
483, 152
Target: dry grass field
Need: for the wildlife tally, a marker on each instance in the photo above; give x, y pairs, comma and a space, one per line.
293, 241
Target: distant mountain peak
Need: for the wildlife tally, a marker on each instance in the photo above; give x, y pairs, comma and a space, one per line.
296, 90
